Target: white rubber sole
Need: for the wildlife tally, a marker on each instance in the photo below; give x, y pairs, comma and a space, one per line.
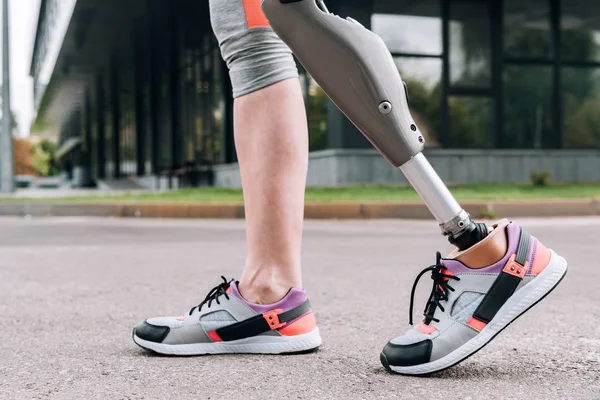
253, 345
519, 303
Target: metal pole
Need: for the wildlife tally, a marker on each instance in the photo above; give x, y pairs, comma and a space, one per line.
6, 145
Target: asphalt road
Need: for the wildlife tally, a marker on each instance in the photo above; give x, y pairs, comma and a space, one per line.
72, 289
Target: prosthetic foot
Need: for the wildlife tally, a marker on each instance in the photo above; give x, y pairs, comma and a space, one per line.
496, 274
357, 72
475, 295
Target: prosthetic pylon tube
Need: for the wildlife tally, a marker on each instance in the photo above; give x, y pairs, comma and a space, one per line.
357, 72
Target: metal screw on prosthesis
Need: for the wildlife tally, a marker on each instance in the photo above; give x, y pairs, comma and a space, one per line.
456, 225
462, 232
385, 107
470, 236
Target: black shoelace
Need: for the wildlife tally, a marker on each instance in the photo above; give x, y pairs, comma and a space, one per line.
439, 292
214, 294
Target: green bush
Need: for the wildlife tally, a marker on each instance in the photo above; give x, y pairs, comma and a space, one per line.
540, 178
43, 155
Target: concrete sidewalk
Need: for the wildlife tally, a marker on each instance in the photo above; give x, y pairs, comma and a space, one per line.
71, 289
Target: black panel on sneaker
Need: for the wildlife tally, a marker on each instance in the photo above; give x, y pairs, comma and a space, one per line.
151, 333
408, 354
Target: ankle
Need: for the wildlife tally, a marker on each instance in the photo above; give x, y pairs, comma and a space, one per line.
265, 289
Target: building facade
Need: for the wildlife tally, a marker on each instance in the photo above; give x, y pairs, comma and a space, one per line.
499, 88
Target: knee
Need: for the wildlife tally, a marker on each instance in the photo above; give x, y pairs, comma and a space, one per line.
254, 54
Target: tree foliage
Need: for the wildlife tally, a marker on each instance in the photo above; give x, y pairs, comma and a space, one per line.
44, 158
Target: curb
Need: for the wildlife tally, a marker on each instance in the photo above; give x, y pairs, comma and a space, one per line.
360, 210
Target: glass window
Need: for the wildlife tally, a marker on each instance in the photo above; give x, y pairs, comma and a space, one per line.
188, 107
109, 166
127, 133
527, 28
94, 144
148, 131
580, 36
217, 108
164, 132
581, 102
207, 121
316, 109
423, 81
412, 27
199, 120
527, 106
470, 44
471, 121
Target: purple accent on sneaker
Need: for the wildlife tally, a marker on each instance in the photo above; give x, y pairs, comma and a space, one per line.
513, 233
292, 299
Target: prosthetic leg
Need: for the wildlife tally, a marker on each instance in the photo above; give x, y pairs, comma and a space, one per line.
357, 72
514, 270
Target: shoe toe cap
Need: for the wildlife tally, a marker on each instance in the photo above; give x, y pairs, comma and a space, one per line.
151, 333
405, 355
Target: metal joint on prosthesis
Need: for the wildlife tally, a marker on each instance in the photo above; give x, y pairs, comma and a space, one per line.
356, 71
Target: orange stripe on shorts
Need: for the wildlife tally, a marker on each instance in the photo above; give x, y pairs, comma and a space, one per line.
254, 15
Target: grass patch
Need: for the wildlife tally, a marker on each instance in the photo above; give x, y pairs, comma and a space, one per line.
349, 194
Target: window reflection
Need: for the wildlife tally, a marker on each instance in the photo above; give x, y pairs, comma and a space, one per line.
109, 166
148, 131
471, 121
527, 28
127, 134
423, 81
93, 152
218, 108
469, 44
580, 36
412, 27
189, 112
165, 123
581, 102
528, 106
316, 102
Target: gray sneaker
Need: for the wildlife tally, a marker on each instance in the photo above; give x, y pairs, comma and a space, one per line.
468, 307
227, 323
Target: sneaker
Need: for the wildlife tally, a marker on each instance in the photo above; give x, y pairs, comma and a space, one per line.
227, 323
469, 305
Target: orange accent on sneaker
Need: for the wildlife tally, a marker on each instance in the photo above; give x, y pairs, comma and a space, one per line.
180, 318
541, 258
254, 14
447, 274
301, 326
272, 318
514, 268
426, 329
476, 324
214, 336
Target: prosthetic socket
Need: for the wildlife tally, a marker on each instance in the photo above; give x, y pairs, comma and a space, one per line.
357, 72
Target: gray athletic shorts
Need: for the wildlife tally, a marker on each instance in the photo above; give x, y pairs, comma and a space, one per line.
255, 55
